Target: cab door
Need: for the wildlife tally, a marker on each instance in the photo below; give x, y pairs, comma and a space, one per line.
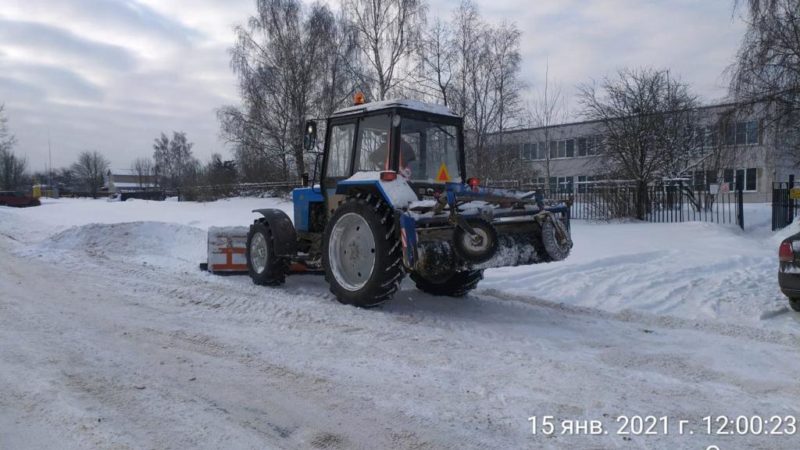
338, 164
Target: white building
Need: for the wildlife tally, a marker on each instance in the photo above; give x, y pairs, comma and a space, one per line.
753, 153
127, 180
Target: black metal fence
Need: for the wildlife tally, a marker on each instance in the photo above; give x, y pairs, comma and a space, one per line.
675, 202
214, 192
665, 204
784, 203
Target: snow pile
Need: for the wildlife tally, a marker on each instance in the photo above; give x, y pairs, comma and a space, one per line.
784, 233
164, 245
689, 270
60, 214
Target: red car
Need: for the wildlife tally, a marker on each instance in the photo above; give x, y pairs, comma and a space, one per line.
789, 271
18, 199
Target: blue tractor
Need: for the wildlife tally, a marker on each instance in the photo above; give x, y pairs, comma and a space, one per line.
393, 198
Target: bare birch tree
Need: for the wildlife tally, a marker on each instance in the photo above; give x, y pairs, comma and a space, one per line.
280, 59
388, 32
647, 119
548, 108
438, 57
143, 169
90, 169
12, 167
767, 66
175, 165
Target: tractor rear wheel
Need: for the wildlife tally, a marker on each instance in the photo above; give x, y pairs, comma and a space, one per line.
795, 304
361, 252
263, 265
458, 284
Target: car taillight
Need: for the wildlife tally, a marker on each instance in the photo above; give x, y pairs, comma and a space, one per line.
785, 253
388, 175
473, 182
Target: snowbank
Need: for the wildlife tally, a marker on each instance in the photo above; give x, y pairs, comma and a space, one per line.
59, 214
164, 245
690, 270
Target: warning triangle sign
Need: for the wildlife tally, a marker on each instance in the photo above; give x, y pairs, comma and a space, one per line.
443, 174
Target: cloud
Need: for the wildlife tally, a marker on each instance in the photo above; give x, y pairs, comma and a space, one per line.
581, 41
48, 42
111, 75
58, 83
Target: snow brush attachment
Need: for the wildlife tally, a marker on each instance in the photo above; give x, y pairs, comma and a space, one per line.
475, 240
555, 236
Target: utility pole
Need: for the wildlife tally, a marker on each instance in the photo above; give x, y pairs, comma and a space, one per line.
50, 163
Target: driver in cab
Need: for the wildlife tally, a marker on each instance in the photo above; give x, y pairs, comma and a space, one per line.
380, 157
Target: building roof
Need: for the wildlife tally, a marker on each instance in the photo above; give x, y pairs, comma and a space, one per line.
116, 178
588, 122
132, 185
115, 172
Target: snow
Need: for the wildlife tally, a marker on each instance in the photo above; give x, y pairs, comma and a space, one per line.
408, 104
690, 270
112, 338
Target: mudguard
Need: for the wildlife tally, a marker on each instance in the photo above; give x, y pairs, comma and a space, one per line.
283, 232
397, 193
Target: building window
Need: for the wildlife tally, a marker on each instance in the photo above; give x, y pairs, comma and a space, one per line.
529, 151
730, 134
582, 146
711, 177
589, 182
541, 151
751, 130
565, 184
698, 180
747, 177
595, 145
742, 133
709, 137
727, 177
562, 149
570, 148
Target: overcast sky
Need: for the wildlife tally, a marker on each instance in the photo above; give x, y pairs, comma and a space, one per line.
110, 75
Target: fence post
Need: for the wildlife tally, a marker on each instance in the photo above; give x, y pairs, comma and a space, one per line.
789, 198
740, 207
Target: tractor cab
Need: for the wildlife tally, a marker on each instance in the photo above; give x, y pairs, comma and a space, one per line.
421, 142
373, 142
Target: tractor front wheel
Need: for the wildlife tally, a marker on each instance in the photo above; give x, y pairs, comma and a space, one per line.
457, 284
361, 252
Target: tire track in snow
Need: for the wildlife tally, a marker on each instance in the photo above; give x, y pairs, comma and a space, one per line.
668, 322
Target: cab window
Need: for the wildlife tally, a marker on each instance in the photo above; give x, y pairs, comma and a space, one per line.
341, 150
373, 143
430, 148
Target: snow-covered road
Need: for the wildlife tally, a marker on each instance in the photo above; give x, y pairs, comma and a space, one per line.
109, 338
